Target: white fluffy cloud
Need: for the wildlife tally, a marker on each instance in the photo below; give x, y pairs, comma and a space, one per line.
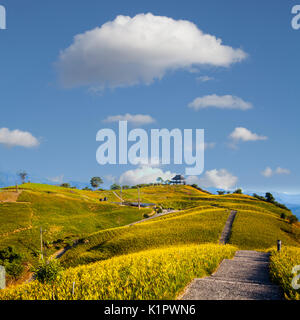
220, 102
17, 138
221, 179
128, 51
243, 134
268, 172
144, 174
136, 119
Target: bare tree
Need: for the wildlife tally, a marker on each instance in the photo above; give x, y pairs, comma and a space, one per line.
23, 175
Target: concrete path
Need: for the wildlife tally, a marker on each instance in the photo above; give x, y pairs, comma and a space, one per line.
118, 196
245, 277
225, 236
157, 215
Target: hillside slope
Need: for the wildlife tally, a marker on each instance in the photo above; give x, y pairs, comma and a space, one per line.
64, 214
258, 225
103, 230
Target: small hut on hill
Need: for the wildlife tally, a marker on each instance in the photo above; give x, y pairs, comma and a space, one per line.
178, 179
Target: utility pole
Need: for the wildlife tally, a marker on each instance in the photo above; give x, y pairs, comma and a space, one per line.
139, 201
121, 194
41, 234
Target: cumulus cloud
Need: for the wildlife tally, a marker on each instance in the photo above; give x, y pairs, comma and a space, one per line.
215, 178
128, 51
144, 174
220, 102
268, 172
136, 119
17, 138
243, 134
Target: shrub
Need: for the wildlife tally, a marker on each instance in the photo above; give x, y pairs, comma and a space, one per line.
269, 197
15, 269
115, 187
12, 261
47, 271
292, 219
238, 191
65, 185
283, 216
159, 210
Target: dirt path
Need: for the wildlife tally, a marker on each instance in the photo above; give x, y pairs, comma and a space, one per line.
15, 231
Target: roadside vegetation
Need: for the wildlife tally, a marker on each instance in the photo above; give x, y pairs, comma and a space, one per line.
285, 270
155, 274
256, 230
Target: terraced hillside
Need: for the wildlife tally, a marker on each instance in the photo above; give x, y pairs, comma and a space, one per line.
106, 237
203, 223
64, 214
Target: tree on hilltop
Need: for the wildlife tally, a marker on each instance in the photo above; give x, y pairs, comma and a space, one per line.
65, 185
96, 182
238, 191
115, 187
23, 175
269, 197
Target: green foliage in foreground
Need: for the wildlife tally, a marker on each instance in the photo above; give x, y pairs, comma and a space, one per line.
12, 261
155, 274
281, 266
256, 230
47, 271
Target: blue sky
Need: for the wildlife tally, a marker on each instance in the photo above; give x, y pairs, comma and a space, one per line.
65, 120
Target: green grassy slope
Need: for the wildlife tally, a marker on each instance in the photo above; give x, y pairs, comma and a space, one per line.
198, 226
68, 214
151, 259
65, 215
258, 225
260, 230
